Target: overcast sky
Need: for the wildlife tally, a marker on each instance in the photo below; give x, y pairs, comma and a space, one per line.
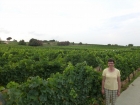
86, 21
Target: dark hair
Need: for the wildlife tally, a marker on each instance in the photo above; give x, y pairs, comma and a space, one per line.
111, 60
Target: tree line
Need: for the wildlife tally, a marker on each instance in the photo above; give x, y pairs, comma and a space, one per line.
36, 42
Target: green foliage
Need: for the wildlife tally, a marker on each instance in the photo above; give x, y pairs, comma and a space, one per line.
35, 42
19, 63
2, 88
22, 42
70, 83
77, 85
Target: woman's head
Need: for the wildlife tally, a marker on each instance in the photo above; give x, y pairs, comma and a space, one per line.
111, 63
111, 60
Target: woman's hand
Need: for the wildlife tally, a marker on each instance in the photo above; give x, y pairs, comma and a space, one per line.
118, 93
103, 91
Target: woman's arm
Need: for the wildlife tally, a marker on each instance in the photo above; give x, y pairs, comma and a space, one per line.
119, 85
103, 83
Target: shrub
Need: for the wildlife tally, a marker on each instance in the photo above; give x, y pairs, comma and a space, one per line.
35, 42
22, 42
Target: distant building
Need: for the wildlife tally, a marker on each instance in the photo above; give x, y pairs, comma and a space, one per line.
6, 42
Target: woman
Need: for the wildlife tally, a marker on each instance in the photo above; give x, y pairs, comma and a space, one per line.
111, 83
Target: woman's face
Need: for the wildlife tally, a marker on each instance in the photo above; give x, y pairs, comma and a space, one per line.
111, 64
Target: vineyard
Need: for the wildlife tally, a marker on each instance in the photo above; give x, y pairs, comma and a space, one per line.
60, 75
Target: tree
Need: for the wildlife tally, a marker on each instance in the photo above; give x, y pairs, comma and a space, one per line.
8, 39
14, 40
130, 45
80, 43
35, 42
22, 42
66, 43
52, 40
72, 43
45, 41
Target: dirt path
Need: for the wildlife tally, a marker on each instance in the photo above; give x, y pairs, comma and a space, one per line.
131, 96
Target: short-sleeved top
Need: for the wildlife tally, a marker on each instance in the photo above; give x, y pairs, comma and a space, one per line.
111, 82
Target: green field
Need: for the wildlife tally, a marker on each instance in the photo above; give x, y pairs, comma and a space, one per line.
60, 75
